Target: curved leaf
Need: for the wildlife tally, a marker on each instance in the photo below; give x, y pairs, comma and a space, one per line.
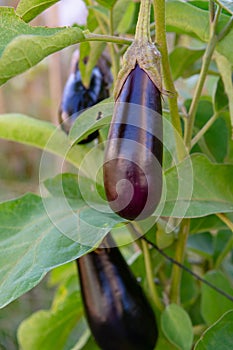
23, 46
212, 190
177, 327
29, 9
46, 233
213, 304
218, 336
48, 329
40, 134
181, 17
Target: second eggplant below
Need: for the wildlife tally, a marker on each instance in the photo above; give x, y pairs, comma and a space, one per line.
118, 312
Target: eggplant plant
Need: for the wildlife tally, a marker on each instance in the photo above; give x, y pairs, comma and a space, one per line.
157, 176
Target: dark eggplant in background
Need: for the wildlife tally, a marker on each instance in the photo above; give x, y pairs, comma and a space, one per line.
133, 156
119, 315
76, 97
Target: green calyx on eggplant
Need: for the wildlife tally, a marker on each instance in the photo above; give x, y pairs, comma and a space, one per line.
118, 312
133, 156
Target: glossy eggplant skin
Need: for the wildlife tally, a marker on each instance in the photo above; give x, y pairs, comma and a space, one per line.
77, 98
116, 308
134, 151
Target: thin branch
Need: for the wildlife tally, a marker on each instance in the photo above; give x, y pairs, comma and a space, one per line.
108, 38
209, 284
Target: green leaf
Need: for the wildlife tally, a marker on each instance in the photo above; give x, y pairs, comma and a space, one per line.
64, 185
93, 50
225, 69
177, 326
212, 192
226, 4
163, 344
219, 336
221, 241
120, 9
208, 223
40, 134
213, 304
126, 21
189, 289
220, 97
184, 18
182, 59
107, 3
29, 9
88, 121
209, 143
42, 226
202, 244
50, 329
23, 46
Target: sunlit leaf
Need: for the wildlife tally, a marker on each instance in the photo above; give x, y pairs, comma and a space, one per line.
23, 46
29, 9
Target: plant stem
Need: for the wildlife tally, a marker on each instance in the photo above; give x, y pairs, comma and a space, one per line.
211, 10
143, 25
108, 38
201, 132
204, 70
150, 277
159, 12
185, 268
179, 257
229, 244
197, 93
114, 57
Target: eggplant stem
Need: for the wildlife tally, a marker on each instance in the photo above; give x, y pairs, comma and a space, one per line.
143, 24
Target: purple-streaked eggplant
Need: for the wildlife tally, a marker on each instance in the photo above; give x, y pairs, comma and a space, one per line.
76, 98
133, 155
118, 312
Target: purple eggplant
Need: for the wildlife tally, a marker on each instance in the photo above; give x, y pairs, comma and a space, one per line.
76, 98
134, 151
118, 312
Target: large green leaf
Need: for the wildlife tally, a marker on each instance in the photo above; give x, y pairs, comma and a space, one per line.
208, 223
23, 46
202, 244
212, 190
37, 235
40, 134
177, 326
213, 137
182, 60
107, 3
185, 18
225, 69
29, 9
219, 336
226, 4
213, 304
93, 51
220, 97
50, 329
